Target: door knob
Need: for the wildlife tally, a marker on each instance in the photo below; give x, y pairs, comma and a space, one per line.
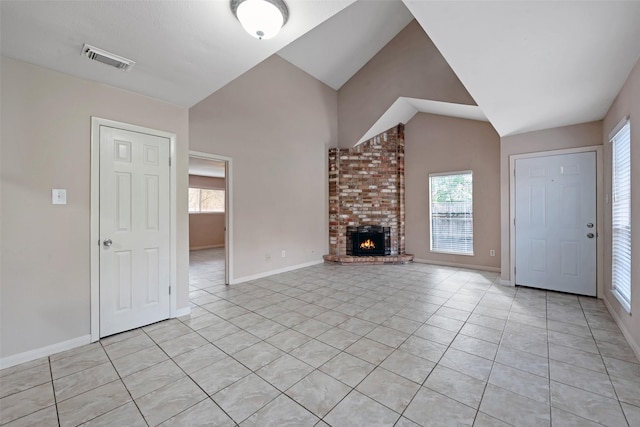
107, 243
591, 235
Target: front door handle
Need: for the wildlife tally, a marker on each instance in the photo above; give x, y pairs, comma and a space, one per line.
591, 235
107, 243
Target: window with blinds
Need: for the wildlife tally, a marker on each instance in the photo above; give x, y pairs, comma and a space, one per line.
451, 210
621, 215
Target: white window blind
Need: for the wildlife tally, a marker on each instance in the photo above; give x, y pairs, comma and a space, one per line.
621, 215
451, 205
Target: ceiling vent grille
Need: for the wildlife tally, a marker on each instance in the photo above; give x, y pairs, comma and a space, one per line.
108, 58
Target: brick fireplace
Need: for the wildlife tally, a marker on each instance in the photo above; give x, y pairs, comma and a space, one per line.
366, 188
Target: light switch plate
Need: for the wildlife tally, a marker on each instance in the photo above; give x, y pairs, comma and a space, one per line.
59, 196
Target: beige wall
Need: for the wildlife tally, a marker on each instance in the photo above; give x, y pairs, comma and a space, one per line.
276, 123
575, 136
206, 182
626, 104
445, 144
46, 123
409, 65
206, 230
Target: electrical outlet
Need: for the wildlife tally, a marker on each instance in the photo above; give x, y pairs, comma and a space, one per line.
267, 257
59, 196
284, 253
492, 252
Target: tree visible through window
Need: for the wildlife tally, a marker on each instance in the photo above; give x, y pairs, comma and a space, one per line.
206, 200
451, 202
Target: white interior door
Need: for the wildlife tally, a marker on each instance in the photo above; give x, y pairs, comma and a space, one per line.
555, 223
134, 230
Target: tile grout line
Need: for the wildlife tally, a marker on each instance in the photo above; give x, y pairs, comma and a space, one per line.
53, 389
123, 385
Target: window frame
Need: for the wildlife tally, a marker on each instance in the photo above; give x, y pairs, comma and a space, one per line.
200, 211
622, 291
431, 231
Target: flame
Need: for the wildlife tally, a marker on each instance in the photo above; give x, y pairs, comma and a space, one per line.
367, 244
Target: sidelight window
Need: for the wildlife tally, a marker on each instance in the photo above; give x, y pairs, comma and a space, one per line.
621, 215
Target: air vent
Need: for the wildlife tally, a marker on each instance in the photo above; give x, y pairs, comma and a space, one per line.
108, 58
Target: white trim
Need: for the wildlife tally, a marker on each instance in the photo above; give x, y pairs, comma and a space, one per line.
459, 265
451, 253
450, 173
623, 303
48, 350
228, 220
599, 208
183, 312
198, 248
619, 126
505, 283
96, 122
634, 345
272, 272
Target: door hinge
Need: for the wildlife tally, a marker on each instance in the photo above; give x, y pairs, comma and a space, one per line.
514, 222
169, 290
514, 271
169, 161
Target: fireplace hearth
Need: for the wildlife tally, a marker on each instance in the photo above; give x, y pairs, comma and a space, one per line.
368, 240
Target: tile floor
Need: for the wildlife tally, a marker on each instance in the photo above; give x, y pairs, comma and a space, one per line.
411, 345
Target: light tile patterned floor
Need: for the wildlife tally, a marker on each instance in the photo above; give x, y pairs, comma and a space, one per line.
411, 345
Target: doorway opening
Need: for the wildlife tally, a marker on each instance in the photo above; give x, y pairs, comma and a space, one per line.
209, 217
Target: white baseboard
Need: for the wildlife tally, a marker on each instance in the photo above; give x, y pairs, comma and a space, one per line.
182, 312
197, 248
634, 345
504, 282
30, 355
459, 265
235, 281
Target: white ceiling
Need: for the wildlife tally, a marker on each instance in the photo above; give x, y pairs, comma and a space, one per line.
528, 64
403, 109
184, 50
348, 40
533, 65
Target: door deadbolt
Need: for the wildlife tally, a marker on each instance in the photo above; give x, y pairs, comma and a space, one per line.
590, 225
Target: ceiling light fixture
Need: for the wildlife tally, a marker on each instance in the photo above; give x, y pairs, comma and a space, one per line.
263, 19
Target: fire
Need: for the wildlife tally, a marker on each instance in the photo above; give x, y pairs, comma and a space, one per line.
367, 244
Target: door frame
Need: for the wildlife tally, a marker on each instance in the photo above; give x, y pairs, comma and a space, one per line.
228, 209
599, 208
96, 122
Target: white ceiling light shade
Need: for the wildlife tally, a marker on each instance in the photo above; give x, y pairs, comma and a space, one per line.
263, 19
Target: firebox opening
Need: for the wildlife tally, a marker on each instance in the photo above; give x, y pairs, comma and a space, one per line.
368, 240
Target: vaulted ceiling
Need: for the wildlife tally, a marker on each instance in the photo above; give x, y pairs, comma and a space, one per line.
528, 64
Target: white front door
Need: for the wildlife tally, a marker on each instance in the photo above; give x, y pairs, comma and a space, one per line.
555, 223
134, 230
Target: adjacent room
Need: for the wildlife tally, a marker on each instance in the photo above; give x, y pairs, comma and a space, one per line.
319, 213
